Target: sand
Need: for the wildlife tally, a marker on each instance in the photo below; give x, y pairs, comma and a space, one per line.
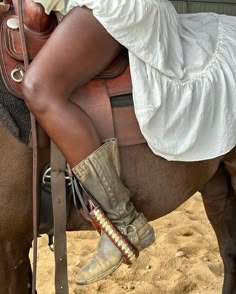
184, 259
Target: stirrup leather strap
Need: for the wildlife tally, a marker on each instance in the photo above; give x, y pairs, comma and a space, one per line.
35, 152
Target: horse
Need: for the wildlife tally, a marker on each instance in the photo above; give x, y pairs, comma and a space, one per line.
157, 186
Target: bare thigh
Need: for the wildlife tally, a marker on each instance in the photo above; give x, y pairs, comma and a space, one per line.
77, 50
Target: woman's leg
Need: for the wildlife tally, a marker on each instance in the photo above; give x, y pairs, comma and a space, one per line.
76, 52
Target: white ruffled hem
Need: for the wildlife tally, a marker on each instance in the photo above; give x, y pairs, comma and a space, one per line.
194, 119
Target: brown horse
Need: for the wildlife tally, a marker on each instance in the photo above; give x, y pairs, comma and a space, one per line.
157, 186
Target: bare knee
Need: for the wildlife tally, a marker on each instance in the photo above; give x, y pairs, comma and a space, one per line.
35, 90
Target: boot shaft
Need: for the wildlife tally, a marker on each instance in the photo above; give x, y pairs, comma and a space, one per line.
100, 174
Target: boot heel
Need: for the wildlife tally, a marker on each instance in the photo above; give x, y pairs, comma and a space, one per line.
140, 233
147, 239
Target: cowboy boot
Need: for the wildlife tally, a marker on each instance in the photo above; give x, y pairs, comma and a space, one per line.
100, 174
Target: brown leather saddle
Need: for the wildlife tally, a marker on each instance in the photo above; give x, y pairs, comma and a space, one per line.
107, 98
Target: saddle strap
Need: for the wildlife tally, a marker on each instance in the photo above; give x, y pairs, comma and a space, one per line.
35, 153
58, 192
58, 167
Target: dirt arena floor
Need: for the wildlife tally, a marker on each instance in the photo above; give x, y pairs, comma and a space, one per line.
184, 259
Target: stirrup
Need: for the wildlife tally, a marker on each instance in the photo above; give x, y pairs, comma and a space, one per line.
129, 252
101, 222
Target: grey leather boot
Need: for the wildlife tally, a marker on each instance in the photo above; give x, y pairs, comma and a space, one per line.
100, 174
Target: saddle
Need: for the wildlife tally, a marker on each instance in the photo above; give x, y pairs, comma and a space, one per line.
107, 99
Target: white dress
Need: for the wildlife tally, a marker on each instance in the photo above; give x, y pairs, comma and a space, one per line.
183, 70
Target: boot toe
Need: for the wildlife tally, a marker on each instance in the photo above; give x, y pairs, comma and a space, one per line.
106, 260
98, 269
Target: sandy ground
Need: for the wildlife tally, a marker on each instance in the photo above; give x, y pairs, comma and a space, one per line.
184, 259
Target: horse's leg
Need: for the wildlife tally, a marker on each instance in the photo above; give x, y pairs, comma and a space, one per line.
16, 214
14, 268
220, 204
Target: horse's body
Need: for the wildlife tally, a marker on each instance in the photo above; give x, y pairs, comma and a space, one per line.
157, 186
